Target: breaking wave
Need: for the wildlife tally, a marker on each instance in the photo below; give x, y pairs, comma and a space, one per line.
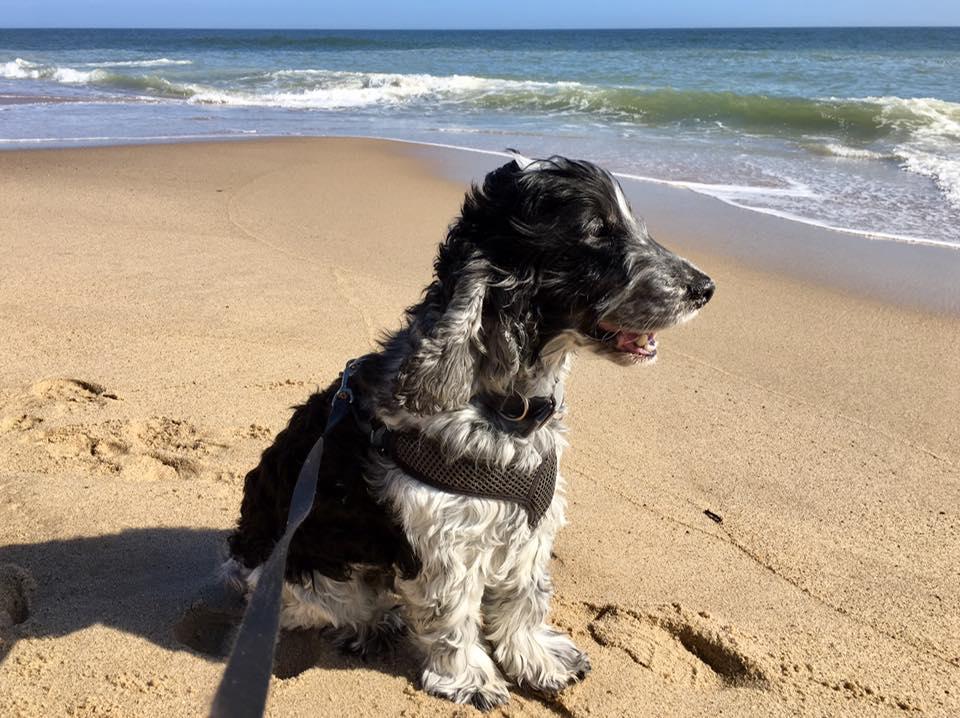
21, 69
921, 134
859, 118
932, 147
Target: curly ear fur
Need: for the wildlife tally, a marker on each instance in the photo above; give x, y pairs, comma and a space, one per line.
508, 332
439, 375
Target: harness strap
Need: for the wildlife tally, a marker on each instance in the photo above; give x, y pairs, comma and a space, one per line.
424, 459
246, 681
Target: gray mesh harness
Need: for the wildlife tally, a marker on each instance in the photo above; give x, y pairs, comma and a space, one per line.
423, 459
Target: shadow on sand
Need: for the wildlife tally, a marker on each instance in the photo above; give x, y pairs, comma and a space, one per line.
158, 583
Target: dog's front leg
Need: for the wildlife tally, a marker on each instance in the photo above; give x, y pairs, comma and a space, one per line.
529, 650
443, 610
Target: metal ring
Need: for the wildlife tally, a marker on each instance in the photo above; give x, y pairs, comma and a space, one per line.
523, 415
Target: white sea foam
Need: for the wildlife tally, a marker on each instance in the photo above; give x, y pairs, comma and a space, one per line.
70, 76
944, 171
853, 153
931, 146
343, 90
735, 194
21, 69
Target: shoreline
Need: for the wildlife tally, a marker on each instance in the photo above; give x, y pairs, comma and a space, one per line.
703, 190
165, 305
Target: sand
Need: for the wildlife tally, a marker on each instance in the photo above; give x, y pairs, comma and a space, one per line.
162, 307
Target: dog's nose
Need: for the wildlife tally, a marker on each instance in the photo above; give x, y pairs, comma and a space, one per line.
701, 289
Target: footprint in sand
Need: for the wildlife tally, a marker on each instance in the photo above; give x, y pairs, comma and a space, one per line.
696, 650
70, 390
16, 591
50, 399
155, 449
681, 647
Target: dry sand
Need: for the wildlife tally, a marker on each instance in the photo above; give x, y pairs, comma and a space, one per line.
162, 307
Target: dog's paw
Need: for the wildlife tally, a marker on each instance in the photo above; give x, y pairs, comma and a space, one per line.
569, 663
548, 662
488, 698
483, 692
373, 640
576, 663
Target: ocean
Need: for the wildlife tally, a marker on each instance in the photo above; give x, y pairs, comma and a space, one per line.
855, 129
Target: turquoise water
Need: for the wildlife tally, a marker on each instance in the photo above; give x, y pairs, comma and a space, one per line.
857, 129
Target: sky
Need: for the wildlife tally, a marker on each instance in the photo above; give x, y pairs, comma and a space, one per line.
492, 14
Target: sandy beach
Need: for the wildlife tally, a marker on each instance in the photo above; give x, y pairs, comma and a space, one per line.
764, 523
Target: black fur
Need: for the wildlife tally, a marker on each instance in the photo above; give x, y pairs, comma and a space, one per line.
346, 526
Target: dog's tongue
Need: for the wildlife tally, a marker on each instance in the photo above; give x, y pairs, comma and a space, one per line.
636, 342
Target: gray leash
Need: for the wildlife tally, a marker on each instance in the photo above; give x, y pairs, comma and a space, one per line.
246, 681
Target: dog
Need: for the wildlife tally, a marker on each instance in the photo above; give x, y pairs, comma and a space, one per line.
545, 259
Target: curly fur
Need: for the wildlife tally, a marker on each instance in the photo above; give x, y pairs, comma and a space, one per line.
545, 257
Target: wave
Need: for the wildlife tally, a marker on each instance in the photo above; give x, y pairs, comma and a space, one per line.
932, 147
21, 69
321, 89
921, 134
862, 119
925, 140
328, 89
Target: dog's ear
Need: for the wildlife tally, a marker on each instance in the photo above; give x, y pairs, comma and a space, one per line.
440, 373
507, 331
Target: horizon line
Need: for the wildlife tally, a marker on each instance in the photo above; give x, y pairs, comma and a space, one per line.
484, 29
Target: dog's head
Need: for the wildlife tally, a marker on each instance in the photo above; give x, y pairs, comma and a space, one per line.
547, 253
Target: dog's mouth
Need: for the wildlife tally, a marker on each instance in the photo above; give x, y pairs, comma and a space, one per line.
640, 345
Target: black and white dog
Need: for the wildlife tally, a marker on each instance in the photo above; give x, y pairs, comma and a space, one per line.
545, 258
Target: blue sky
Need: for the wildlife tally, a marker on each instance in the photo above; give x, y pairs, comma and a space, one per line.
473, 13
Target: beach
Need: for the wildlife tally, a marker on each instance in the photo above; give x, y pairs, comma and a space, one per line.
766, 522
